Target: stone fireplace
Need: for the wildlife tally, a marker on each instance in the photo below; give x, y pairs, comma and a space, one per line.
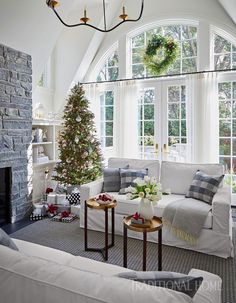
15, 131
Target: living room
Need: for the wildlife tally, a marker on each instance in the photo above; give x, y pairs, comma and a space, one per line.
117, 151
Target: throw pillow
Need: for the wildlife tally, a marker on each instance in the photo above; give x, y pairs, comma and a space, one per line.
127, 176
6, 240
204, 187
111, 178
175, 281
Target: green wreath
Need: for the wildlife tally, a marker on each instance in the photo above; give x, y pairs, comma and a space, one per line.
160, 53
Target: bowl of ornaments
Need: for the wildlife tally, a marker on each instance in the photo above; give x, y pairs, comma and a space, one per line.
104, 199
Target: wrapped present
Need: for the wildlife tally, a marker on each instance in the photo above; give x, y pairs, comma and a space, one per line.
74, 198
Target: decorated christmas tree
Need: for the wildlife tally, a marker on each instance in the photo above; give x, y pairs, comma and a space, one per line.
80, 154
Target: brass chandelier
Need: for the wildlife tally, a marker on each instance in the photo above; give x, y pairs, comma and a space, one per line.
85, 20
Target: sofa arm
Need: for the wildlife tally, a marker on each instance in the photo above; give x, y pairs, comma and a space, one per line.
221, 210
90, 190
210, 289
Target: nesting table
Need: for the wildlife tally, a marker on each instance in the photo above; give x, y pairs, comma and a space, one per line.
93, 204
156, 225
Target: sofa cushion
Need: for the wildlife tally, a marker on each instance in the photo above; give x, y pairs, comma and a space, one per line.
127, 176
111, 178
129, 207
204, 187
178, 176
6, 240
172, 280
153, 166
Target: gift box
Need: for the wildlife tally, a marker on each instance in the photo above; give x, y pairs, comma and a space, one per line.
74, 198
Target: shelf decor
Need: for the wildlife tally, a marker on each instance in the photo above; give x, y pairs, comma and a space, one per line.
160, 53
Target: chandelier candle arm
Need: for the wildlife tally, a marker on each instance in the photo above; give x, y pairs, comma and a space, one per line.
84, 20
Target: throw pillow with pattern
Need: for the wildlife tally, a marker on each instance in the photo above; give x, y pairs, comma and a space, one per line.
111, 179
204, 187
127, 176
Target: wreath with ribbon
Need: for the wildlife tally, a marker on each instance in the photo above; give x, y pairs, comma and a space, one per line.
160, 53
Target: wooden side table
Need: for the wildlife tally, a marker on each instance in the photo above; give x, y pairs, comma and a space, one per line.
93, 204
156, 225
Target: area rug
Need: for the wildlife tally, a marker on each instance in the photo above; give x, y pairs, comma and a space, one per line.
70, 238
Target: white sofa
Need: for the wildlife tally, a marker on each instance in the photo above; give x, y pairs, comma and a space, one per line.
44, 275
216, 236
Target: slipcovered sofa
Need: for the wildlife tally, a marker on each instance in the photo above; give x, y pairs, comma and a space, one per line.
216, 236
44, 275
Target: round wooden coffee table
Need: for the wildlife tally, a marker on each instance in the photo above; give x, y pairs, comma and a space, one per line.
93, 204
156, 225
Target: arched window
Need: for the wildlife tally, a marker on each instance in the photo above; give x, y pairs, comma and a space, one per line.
224, 53
185, 35
110, 69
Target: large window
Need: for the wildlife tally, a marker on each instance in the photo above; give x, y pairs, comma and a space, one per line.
187, 60
224, 53
146, 123
110, 70
107, 118
227, 129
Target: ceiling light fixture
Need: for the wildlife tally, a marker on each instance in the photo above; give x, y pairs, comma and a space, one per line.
84, 20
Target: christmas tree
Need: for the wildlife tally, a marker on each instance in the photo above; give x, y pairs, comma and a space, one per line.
80, 153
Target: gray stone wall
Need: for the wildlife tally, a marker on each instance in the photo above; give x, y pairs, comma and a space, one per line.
16, 125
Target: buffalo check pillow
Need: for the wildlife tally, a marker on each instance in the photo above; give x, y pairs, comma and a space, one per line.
204, 187
127, 176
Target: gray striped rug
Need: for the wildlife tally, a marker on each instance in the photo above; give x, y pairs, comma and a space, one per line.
69, 237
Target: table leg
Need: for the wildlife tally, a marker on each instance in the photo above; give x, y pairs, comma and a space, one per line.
144, 250
113, 227
106, 234
85, 226
125, 246
160, 249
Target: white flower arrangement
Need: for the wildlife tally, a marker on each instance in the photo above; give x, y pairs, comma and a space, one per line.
147, 188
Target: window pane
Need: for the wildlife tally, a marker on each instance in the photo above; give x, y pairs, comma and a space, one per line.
234, 128
173, 111
109, 141
183, 128
140, 127
102, 75
234, 109
137, 55
221, 45
174, 128
138, 71
149, 141
148, 128
138, 40
112, 73
234, 90
149, 112
109, 98
189, 32
155, 31
189, 65
109, 113
234, 147
173, 31
109, 128
226, 161
173, 94
149, 96
222, 62
175, 68
113, 60
225, 128
225, 109
183, 93
140, 112
234, 165
189, 48
224, 90
173, 140
183, 110
225, 147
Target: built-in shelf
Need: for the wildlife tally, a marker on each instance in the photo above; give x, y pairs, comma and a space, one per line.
41, 143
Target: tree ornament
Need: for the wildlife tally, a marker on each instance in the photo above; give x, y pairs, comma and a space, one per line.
78, 119
160, 53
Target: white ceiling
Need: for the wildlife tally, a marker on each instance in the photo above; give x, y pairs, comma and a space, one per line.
230, 7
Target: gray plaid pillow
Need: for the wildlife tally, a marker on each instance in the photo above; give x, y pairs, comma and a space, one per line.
111, 179
175, 281
204, 187
127, 176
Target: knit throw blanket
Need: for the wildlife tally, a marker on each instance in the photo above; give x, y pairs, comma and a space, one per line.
185, 218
